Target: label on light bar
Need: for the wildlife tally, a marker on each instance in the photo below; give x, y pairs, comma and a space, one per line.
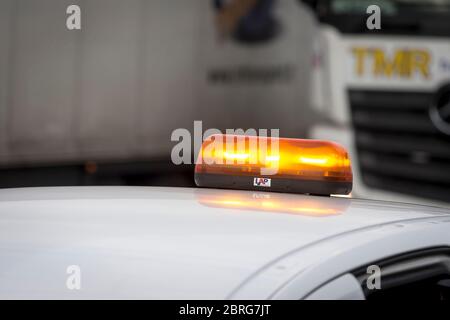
262, 182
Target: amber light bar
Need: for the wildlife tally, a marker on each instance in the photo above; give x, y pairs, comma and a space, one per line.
274, 164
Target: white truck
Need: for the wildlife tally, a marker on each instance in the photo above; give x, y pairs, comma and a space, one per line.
110, 95
385, 95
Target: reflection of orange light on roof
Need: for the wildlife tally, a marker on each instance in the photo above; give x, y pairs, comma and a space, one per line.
276, 204
314, 211
232, 203
268, 204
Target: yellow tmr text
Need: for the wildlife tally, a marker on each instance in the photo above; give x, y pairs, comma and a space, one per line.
404, 63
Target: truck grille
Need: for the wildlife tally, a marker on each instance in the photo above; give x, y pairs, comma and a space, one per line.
398, 147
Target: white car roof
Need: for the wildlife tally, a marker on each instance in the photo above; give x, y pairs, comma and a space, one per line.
144, 242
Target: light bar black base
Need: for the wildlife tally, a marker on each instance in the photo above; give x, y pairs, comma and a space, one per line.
325, 188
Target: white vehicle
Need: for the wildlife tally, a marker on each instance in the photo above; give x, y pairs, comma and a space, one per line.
177, 243
101, 108
384, 94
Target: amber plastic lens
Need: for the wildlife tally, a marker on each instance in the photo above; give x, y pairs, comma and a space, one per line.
284, 162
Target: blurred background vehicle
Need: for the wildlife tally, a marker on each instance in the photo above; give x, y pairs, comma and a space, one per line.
385, 95
97, 106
